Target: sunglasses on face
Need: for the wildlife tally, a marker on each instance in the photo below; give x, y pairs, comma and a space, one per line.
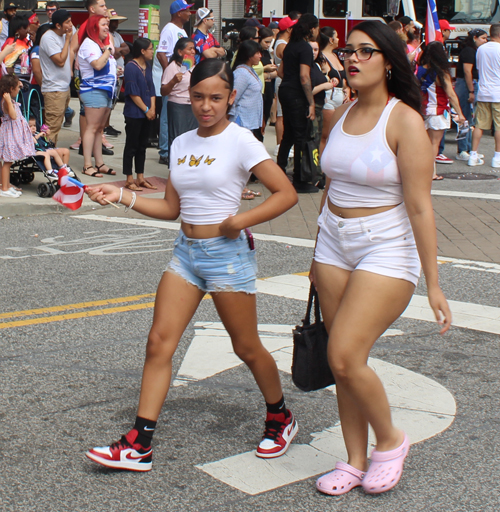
363, 54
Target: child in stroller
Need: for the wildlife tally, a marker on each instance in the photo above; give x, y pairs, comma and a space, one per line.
46, 148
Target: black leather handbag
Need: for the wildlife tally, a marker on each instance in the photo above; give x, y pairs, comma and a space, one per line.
310, 369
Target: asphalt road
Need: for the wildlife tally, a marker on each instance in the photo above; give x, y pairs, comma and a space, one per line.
75, 310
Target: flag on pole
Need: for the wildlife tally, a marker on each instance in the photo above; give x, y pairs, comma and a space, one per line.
70, 193
432, 28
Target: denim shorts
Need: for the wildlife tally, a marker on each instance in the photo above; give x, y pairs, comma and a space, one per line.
96, 98
218, 264
382, 243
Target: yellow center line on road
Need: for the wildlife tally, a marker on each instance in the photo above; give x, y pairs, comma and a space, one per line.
83, 314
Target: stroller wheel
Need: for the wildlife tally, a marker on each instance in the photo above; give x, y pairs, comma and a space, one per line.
27, 177
53, 189
44, 190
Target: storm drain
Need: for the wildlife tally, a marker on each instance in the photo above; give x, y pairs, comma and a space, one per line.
469, 176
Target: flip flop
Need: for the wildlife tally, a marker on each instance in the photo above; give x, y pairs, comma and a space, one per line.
95, 174
133, 187
437, 177
256, 194
386, 468
341, 480
109, 171
146, 184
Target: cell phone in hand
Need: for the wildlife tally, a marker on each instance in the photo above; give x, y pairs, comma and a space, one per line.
250, 240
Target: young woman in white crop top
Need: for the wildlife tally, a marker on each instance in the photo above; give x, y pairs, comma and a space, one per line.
209, 169
376, 221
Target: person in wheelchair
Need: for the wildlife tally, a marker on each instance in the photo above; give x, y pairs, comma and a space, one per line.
45, 147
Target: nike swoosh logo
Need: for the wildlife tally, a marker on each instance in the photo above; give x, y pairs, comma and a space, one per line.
290, 428
128, 455
148, 429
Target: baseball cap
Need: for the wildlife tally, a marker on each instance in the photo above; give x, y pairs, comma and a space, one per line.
272, 25
444, 25
201, 14
179, 5
286, 23
59, 17
10, 6
252, 22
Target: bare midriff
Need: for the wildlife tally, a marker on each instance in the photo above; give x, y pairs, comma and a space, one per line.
353, 213
197, 231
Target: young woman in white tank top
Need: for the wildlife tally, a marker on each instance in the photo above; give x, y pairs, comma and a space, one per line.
376, 221
209, 169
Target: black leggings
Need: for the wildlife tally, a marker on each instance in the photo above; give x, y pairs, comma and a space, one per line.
136, 142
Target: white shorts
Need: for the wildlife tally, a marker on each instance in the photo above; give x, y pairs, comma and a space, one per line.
437, 122
334, 98
382, 243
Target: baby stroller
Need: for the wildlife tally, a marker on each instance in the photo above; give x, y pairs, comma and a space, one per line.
23, 171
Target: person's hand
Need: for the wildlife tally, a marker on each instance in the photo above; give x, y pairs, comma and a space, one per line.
471, 97
69, 34
461, 119
439, 305
229, 227
6, 97
335, 82
178, 77
329, 86
10, 48
99, 193
312, 113
270, 68
150, 114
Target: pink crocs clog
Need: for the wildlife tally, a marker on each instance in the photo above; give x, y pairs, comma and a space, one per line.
341, 480
386, 468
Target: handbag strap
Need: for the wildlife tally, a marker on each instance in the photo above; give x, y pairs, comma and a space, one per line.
313, 298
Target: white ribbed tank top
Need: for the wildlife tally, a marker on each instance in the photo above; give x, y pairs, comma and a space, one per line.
363, 169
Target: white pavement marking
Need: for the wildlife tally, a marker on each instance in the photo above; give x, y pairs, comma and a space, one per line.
466, 195
420, 406
465, 314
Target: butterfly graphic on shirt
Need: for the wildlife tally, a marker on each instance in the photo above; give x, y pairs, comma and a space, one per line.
195, 162
208, 160
181, 160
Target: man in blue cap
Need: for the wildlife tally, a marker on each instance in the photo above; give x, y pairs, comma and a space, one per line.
171, 33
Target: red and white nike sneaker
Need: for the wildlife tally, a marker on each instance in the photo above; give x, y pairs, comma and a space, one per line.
124, 454
278, 435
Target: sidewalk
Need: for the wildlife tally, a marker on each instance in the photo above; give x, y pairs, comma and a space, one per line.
467, 228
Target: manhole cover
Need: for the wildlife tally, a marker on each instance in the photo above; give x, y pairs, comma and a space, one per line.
469, 176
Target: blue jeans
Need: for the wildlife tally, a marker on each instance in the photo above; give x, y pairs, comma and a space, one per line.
163, 142
462, 92
215, 264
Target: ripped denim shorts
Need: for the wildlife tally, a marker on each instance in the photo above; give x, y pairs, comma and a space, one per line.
218, 264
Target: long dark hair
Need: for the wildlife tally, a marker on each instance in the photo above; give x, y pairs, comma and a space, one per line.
247, 33
403, 83
180, 45
436, 60
39, 33
212, 67
141, 43
246, 50
302, 29
469, 41
7, 83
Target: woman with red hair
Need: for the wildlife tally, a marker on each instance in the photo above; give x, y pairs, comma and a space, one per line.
98, 77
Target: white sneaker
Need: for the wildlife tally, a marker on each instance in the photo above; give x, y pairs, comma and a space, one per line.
71, 173
9, 193
475, 161
463, 156
276, 150
18, 192
52, 174
495, 162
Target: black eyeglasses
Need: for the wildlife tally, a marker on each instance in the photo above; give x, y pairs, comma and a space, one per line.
361, 53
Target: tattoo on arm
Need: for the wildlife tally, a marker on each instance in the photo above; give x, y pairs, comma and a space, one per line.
306, 85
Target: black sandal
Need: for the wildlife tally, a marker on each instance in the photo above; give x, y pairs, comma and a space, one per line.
92, 175
109, 171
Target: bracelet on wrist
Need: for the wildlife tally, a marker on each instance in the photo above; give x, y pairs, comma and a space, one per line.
147, 110
471, 92
131, 205
121, 196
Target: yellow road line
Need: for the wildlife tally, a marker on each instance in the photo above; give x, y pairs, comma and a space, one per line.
83, 314
80, 305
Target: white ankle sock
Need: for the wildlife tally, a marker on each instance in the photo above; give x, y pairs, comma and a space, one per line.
497, 155
473, 154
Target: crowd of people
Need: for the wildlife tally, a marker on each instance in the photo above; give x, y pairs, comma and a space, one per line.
372, 104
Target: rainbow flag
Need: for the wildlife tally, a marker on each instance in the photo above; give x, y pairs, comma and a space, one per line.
188, 62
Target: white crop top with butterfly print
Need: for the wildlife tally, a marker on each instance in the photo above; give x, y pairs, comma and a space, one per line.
363, 169
210, 173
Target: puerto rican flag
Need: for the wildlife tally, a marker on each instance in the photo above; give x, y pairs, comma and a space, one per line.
432, 28
70, 193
